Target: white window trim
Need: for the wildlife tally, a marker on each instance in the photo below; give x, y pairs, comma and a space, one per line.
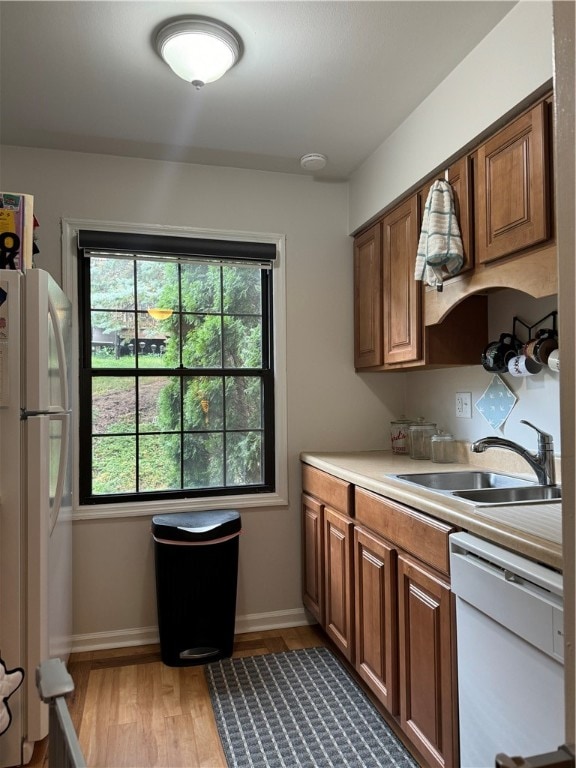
69, 234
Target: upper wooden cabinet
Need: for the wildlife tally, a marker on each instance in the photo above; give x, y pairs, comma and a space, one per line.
512, 197
402, 295
503, 202
368, 349
389, 330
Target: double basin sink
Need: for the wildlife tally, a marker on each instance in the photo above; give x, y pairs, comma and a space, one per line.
484, 488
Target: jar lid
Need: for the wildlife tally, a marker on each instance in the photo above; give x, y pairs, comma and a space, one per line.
442, 436
423, 425
402, 420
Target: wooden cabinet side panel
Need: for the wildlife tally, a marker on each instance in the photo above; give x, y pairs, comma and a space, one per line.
376, 617
402, 295
313, 557
368, 348
512, 187
338, 586
427, 703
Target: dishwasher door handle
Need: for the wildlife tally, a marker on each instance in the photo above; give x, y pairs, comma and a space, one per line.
561, 758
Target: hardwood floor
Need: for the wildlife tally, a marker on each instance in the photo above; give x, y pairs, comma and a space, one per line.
132, 711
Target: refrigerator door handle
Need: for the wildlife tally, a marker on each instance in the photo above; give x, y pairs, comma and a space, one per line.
24, 414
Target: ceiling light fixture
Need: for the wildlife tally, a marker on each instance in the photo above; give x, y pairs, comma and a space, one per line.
198, 50
313, 161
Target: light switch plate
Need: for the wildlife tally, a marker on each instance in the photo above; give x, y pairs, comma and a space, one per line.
464, 405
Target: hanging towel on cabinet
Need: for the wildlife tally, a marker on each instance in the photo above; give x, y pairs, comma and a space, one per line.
440, 251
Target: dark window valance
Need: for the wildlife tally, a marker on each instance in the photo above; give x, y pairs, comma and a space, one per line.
91, 242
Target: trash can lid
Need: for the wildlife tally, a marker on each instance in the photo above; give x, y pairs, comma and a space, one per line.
202, 525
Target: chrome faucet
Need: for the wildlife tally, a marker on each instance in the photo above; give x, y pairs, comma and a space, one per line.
542, 462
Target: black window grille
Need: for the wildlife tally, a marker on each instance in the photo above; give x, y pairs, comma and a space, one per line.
176, 367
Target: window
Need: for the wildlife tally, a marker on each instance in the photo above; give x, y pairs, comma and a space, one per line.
176, 379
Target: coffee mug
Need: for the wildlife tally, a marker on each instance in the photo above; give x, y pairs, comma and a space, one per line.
497, 354
554, 360
520, 365
539, 348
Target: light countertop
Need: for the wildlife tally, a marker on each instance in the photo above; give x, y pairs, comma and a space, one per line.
534, 530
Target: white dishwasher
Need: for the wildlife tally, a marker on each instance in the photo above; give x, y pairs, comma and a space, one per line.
510, 650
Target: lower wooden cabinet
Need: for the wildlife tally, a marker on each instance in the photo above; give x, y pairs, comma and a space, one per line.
338, 585
327, 539
376, 577
313, 557
427, 659
376, 612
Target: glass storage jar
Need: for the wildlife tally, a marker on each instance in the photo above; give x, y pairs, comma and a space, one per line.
399, 434
443, 448
420, 434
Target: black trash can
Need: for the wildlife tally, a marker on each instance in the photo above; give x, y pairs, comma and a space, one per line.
196, 556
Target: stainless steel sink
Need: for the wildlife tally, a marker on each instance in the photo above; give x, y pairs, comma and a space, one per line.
533, 494
483, 488
463, 480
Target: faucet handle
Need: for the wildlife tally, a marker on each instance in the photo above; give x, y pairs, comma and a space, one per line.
545, 439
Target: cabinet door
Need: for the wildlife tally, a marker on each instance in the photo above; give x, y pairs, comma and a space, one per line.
402, 295
338, 587
427, 662
312, 558
368, 350
512, 187
376, 623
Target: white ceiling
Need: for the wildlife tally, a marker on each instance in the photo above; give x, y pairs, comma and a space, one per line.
329, 77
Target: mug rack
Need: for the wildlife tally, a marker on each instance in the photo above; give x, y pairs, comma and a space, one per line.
530, 328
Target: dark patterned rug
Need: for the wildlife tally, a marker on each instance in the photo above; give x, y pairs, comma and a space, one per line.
298, 708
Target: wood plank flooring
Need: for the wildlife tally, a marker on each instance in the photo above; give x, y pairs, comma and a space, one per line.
132, 711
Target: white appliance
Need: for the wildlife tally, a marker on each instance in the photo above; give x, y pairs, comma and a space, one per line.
35, 495
510, 642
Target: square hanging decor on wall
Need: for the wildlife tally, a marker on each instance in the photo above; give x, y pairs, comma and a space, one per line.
496, 403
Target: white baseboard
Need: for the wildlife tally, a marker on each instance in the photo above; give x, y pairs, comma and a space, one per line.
125, 638
260, 622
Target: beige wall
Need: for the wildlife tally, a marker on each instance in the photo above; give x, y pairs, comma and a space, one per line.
329, 407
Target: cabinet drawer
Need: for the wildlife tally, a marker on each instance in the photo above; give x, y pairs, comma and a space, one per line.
422, 536
331, 490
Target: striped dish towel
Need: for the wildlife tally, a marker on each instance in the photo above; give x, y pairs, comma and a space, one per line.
440, 252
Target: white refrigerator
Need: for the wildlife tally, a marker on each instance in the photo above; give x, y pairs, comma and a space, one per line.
35, 494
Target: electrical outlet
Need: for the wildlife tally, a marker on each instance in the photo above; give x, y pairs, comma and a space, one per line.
464, 405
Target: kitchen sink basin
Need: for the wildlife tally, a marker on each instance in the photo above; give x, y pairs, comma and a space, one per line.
463, 480
531, 494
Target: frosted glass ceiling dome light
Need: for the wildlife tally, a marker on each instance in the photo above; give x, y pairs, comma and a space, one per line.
198, 50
